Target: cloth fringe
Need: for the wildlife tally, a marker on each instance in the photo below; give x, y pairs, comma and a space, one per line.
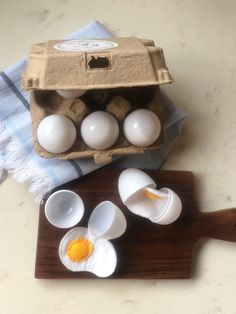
21, 167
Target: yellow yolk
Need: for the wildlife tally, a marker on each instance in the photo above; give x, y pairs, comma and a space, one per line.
79, 250
152, 196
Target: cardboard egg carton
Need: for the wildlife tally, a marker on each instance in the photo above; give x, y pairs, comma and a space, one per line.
119, 74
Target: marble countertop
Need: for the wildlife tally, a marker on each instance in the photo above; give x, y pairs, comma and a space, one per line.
199, 40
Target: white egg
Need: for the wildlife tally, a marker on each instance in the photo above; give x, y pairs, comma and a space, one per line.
99, 130
70, 93
101, 261
160, 206
56, 134
142, 127
138, 192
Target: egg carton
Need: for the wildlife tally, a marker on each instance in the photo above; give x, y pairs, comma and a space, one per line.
120, 75
44, 103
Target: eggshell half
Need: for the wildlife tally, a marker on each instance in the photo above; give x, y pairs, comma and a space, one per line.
172, 208
107, 221
131, 181
64, 209
146, 207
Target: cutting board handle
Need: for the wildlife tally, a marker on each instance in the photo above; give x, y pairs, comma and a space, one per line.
219, 224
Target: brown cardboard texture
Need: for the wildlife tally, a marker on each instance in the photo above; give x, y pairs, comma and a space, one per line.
120, 75
121, 62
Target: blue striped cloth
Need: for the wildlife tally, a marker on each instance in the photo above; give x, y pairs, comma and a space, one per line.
17, 154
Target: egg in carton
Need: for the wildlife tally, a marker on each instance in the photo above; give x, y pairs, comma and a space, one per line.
77, 78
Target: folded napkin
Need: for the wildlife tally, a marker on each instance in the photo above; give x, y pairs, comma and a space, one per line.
17, 155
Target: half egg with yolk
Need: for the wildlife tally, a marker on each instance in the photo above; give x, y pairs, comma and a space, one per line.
89, 249
80, 251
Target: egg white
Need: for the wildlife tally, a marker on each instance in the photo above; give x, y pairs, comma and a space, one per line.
102, 262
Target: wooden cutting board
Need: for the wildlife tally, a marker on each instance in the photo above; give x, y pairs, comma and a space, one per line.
146, 250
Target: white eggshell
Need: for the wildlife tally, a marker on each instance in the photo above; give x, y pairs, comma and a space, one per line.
102, 262
70, 93
132, 185
131, 181
142, 127
64, 209
99, 130
143, 206
56, 133
107, 221
171, 210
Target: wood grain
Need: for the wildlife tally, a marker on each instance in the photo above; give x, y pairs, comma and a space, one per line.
146, 250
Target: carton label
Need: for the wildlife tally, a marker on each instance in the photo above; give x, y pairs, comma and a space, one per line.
85, 45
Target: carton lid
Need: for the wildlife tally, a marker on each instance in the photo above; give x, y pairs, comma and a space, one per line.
95, 64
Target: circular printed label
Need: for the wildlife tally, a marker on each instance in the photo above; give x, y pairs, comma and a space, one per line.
85, 45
